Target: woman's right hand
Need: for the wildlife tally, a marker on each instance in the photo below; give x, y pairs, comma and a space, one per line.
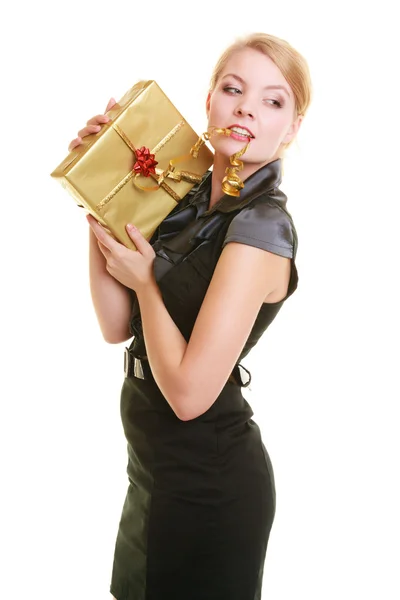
92, 126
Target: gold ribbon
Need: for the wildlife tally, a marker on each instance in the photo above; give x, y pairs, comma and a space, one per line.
159, 176
231, 183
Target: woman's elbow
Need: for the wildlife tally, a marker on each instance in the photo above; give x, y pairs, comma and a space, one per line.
115, 337
187, 414
190, 406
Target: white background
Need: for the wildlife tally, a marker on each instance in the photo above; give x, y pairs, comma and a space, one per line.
325, 375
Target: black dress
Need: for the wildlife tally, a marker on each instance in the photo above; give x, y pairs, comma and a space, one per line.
201, 498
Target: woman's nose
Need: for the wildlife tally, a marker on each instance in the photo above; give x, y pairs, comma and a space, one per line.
244, 111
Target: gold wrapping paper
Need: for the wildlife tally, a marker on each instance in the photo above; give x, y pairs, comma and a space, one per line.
99, 173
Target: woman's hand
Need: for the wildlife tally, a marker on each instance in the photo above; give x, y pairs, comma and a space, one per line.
134, 269
92, 126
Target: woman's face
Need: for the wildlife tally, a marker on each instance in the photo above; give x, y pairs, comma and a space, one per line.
251, 93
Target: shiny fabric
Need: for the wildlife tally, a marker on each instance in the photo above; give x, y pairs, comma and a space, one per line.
201, 498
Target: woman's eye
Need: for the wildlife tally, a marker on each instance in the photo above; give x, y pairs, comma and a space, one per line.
232, 90
274, 102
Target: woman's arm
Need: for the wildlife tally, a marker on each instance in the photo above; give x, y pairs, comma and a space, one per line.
192, 375
112, 301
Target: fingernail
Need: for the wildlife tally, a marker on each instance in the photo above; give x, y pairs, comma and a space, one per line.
131, 227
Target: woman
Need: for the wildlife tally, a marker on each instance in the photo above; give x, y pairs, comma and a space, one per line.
197, 297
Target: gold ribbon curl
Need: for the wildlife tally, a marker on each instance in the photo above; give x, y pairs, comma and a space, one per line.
231, 183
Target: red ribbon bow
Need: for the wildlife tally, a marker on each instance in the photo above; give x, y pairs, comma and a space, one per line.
145, 163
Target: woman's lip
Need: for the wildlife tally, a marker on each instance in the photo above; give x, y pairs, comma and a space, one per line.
241, 127
241, 138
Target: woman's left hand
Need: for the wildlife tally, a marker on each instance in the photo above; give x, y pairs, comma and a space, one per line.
134, 269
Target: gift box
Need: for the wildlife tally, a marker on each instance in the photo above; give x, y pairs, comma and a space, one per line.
138, 166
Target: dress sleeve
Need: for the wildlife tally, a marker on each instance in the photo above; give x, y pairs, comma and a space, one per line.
265, 226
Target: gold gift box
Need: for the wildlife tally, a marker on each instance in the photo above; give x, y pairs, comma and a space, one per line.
100, 175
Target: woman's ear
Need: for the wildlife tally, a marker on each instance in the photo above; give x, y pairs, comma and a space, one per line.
208, 103
293, 130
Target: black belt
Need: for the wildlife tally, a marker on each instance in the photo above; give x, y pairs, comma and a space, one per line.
135, 366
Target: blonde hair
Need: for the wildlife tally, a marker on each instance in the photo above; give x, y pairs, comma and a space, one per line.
289, 61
